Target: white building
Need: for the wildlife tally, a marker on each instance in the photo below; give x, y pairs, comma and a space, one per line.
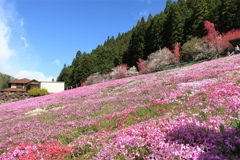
52, 87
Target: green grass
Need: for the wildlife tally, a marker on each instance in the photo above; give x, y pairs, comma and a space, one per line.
104, 111
121, 121
238, 82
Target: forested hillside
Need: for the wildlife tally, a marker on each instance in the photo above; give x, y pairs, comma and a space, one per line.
4, 80
179, 22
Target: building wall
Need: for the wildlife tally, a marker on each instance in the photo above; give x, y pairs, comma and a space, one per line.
53, 87
13, 85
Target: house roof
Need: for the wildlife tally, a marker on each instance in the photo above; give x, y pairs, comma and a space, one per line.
235, 41
13, 90
24, 80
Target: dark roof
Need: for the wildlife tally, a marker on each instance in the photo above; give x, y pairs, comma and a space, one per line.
24, 80
13, 90
235, 41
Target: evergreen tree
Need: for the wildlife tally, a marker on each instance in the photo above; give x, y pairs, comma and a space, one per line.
228, 15
238, 15
65, 75
178, 23
200, 15
149, 37
167, 30
157, 30
168, 5
214, 7
137, 43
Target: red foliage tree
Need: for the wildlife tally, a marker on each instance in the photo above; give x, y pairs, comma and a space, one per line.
177, 51
219, 42
142, 67
213, 35
233, 34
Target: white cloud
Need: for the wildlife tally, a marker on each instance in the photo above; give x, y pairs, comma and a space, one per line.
5, 34
39, 76
25, 41
11, 27
148, 1
57, 62
143, 14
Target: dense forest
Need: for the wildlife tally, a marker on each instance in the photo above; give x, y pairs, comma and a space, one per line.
181, 21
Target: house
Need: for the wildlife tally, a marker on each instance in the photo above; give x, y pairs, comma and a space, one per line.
21, 85
52, 87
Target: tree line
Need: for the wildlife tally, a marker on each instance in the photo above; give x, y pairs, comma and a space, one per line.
181, 21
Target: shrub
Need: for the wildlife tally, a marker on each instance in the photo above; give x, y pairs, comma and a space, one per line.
38, 92
188, 49
198, 49
204, 50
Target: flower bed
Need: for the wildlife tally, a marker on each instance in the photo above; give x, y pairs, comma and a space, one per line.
183, 113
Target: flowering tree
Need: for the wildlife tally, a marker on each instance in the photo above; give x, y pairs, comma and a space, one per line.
176, 51
159, 59
119, 72
219, 42
233, 34
213, 36
142, 66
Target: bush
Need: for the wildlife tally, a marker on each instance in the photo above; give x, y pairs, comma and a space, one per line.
204, 50
38, 92
188, 49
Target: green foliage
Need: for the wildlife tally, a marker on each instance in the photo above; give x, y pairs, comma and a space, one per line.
38, 92
188, 48
4, 80
228, 15
238, 82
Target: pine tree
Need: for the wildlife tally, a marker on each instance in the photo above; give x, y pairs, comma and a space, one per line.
178, 23
228, 15
156, 30
137, 43
200, 15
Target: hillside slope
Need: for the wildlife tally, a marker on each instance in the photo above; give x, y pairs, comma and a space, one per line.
183, 113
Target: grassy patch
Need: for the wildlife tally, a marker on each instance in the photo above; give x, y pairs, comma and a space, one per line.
104, 111
53, 106
238, 82
121, 121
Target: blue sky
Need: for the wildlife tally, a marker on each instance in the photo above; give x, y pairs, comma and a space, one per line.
38, 36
